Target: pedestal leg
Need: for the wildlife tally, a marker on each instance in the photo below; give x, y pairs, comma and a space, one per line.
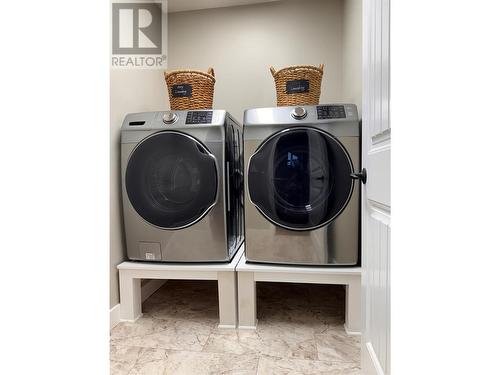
228, 317
247, 304
353, 307
130, 297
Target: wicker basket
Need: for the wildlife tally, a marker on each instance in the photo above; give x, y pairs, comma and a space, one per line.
190, 89
298, 85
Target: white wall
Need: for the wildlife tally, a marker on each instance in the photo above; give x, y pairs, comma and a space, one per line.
352, 42
242, 42
131, 91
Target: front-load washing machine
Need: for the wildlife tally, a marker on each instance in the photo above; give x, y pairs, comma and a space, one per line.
182, 185
302, 201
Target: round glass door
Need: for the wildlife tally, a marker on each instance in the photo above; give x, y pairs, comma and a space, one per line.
300, 178
171, 180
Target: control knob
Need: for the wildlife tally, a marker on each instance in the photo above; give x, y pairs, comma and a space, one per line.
299, 113
169, 117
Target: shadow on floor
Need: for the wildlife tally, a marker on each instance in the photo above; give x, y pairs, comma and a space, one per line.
300, 331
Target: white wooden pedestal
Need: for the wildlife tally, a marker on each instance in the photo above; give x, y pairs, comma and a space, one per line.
250, 273
131, 274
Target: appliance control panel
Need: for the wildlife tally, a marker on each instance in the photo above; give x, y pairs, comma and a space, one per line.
326, 112
199, 117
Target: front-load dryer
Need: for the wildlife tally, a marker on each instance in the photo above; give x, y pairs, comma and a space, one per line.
302, 201
182, 185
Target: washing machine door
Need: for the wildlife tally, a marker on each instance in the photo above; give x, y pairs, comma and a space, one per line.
300, 178
171, 180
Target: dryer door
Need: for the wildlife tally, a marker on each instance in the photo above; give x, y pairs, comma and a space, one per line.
300, 178
171, 180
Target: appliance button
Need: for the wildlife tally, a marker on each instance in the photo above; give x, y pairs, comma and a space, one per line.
169, 117
299, 113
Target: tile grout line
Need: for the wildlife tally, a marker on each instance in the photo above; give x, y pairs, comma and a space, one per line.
212, 334
258, 364
335, 361
208, 338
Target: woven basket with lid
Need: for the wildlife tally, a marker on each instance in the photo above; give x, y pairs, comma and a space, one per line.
190, 89
298, 85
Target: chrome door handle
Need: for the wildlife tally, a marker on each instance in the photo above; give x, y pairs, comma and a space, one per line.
360, 176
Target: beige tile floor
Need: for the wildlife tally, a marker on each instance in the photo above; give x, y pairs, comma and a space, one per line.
300, 331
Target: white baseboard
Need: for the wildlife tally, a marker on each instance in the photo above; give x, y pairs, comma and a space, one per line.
371, 364
247, 327
146, 291
133, 320
352, 333
114, 316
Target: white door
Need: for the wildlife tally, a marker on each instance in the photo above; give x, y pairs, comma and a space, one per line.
376, 202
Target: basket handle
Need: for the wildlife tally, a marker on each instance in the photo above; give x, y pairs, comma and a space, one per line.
211, 72
321, 66
273, 71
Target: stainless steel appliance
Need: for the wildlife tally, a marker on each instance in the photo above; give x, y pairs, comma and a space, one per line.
301, 195
182, 185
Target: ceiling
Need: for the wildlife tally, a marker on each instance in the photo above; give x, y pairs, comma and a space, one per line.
186, 5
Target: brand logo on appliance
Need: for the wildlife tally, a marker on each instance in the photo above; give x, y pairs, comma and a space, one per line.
150, 256
138, 34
